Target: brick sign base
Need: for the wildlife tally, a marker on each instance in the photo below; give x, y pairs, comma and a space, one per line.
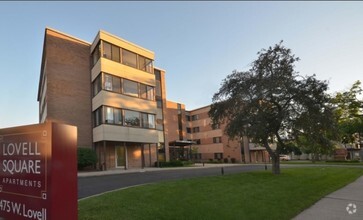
38, 172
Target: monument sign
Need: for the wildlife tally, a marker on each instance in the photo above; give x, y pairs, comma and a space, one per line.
38, 172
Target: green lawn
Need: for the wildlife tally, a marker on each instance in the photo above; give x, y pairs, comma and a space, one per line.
254, 195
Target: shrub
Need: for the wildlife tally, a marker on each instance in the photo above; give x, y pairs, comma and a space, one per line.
86, 157
233, 160
174, 163
225, 160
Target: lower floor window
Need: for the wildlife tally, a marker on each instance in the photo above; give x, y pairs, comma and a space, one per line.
218, 156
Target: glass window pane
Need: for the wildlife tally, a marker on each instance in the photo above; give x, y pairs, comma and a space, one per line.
118, 116
108, 82
143, 92
149, 65
132, 118
115, 53
151, 121
106, 50
142, 63
109, 115
145, 123
130, 88
116, 84
129, 58
150, 92
96, 54
158, 88
97, 85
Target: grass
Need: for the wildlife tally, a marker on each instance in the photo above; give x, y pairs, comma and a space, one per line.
352, 163
253, 195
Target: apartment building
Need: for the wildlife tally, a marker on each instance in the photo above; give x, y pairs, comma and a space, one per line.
115, 96
191, 136
111, 91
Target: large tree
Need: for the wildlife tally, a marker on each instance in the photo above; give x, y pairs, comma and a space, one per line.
267, 102
348, 108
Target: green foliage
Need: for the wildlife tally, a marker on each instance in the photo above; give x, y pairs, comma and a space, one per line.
348, 110
271, 102
86, 157
174, 163
252, 195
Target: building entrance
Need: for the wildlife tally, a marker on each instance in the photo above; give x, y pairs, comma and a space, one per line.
121, 158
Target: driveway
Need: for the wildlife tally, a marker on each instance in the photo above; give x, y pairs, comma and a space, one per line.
94, 185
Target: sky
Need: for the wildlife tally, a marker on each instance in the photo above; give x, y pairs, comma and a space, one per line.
197, 43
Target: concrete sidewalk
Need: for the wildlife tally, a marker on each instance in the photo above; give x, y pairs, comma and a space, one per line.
345, 203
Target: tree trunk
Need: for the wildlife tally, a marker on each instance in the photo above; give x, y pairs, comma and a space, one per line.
275, 159
275, 163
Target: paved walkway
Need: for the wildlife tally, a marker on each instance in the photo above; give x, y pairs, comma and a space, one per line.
345, 203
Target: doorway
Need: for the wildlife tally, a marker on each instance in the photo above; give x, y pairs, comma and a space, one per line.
121, 159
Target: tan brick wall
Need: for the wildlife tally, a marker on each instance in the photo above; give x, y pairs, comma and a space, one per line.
133, 156
68, 83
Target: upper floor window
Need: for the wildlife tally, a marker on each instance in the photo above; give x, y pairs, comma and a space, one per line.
112, 83
187, 117
130, 88
217, 140
117, 116
146, 92
145, 64
195, 117
126, 57
96, 53
129, 58
189, 130
132, 118
195, 129
111, 51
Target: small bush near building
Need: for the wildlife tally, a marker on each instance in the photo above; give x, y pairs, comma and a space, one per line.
174, 163
225, 160
86, 157
233, 160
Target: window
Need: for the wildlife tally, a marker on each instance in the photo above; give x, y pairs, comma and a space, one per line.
143, 92
148, 120
115, 53
217, 140
130, 88
188, 117
117, 116
218, 156
150, 92
217, 126
146, 92
195, 117
129, 58
109, 115
151, 121
197, 141
98, 117
132, 118
107, 50
196, 130
96, 54
97, 85
189, 130
159, 103
145, 64
111, 52
116, 84
108, 82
